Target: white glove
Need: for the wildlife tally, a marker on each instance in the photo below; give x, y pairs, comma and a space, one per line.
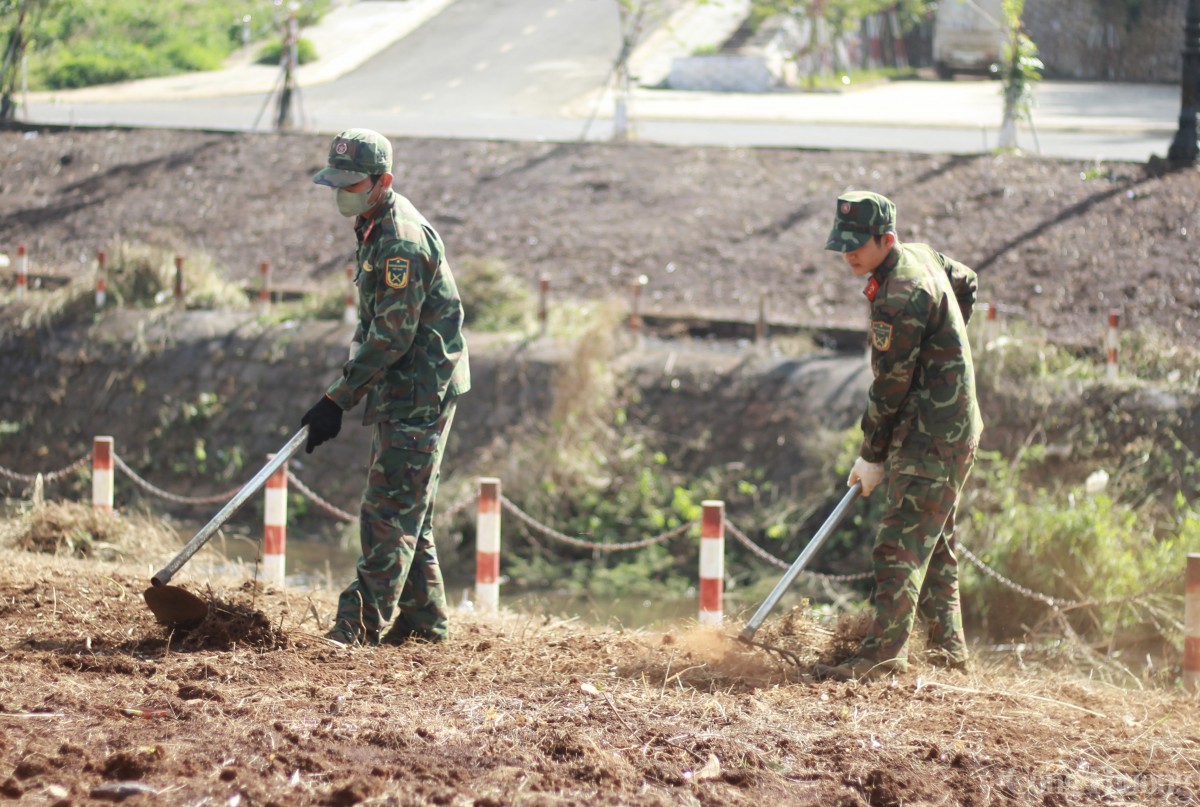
869, 473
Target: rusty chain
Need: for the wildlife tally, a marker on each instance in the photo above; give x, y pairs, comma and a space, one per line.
341, 514
550, 532
1057, 603
52, 476
774, 561
171, 497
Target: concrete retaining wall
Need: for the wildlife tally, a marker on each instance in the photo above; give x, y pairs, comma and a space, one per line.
1099, 40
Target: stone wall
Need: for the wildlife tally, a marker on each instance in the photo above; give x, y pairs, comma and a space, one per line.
1099, 40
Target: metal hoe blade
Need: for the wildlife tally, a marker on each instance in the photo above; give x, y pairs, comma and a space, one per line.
177, 605
172, 605
818, 540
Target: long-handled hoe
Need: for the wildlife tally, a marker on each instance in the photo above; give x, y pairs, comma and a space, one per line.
831, 524
176, 606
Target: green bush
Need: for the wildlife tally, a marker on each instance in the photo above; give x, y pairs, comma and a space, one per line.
78, 44
102, 64
1071, 546
494, 299
306, 52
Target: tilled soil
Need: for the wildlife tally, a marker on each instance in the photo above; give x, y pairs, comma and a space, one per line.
100, 703
714, 230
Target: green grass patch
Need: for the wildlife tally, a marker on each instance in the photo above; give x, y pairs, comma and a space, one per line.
87, 42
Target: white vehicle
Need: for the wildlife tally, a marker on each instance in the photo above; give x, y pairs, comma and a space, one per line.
968, 37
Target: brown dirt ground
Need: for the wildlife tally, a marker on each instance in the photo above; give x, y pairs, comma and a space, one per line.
99, 702
1058, 243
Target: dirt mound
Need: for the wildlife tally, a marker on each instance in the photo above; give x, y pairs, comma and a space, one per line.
97, 700
1058, 243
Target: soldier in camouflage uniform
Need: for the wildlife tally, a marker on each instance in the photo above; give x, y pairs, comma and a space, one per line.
920, 432
408, 359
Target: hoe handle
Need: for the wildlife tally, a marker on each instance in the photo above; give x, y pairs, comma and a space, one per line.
798, 565
206, 532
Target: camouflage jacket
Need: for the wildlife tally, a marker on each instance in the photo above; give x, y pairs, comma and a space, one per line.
922, 403
409, 353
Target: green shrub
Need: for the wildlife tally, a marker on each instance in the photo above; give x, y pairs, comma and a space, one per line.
494, 299
77, 44
102, 63
306, 52
1071, 546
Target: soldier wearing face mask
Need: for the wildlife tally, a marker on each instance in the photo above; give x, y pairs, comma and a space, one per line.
408, 359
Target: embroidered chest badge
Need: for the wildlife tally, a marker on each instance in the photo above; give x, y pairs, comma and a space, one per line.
881, 335
872, 289
396, 272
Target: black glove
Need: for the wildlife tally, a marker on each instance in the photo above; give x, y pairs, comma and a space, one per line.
324, 421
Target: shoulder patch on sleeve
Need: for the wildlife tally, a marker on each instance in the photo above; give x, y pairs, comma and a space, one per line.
881, 335
396, 272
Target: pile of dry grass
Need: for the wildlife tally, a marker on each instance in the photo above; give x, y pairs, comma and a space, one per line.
80, 530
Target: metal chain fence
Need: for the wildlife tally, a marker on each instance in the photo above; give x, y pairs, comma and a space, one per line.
1056, 603
52, 476
774, 561
550, 532
219, 498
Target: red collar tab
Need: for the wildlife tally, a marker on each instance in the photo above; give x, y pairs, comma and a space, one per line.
872, 289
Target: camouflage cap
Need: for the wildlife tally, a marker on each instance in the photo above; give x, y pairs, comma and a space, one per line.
354, 155
860, 215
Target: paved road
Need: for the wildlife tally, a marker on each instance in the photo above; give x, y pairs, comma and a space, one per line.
537, 69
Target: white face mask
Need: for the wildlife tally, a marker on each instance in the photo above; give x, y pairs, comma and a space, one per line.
353, 204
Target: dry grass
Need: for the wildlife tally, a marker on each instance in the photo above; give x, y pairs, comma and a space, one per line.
516, 709
80, 530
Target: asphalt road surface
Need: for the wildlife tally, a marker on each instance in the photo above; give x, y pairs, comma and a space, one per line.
537, 69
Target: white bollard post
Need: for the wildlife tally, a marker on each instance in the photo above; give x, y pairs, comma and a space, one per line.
1114, 318
102, 474
275, 526
712, 561
22, 273
101, 279
350, 312
635, 313
1191, 626
487, 546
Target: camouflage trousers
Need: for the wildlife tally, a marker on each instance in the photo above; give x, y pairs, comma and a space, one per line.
915, 559
398, 569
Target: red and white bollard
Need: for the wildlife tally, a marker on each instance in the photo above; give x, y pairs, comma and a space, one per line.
635, 312
990, 324
275, 527
179, 281
487, 546
102, 474
1114, 319
712, 561
1191, 626
101, 279
264, 284
350, 312
22, 273
543, 313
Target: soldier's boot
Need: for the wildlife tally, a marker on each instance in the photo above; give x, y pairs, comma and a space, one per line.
426, 625
347, 635
859, 669
947, 658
